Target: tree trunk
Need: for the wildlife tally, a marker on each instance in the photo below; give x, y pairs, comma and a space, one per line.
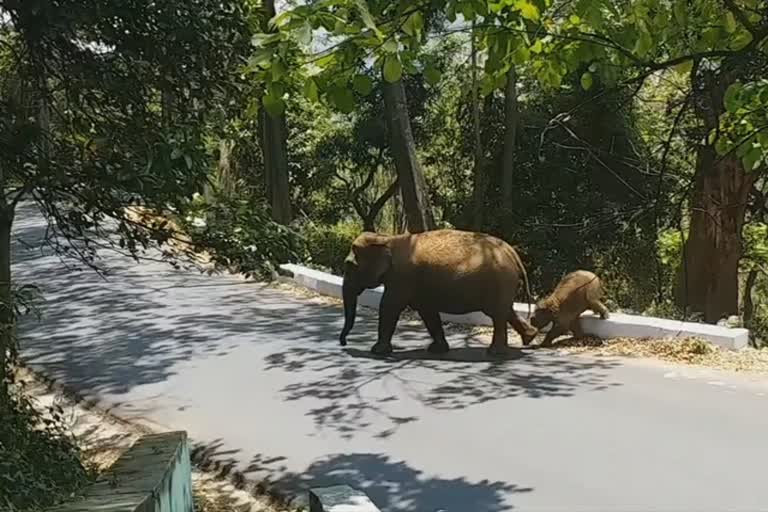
748, 311
6, 306
227, 174
709, 280
478, 190
369, 220
274, 147
276, 166
510, 137
418, 209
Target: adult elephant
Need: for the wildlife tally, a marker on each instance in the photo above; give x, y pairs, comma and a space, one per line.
441, 271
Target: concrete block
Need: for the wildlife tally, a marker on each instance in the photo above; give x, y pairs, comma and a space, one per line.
618, 325
339, 498
154, 475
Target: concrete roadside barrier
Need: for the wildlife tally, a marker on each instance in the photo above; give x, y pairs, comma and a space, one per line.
618, 325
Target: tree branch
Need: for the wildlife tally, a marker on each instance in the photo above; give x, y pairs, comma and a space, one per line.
386, 196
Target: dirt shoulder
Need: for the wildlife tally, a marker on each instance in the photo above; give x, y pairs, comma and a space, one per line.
103, 437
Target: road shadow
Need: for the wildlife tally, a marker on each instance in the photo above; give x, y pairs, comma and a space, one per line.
351, 390
144, 321
128, 327
476, 354
393, 485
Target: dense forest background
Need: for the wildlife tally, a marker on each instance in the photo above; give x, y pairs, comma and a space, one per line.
625, 137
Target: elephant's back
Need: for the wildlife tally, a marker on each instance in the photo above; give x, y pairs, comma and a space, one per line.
577, 289
461, 271
461, 251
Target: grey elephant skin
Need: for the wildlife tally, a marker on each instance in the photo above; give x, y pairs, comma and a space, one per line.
441, 271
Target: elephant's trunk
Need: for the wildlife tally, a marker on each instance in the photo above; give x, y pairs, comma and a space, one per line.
349, 293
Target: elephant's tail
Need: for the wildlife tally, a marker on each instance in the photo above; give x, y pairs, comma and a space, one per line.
528, 297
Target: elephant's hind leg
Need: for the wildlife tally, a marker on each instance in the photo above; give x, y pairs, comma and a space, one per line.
526, 331
434, 325
578, 332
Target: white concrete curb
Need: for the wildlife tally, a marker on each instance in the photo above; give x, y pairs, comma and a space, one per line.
618, 325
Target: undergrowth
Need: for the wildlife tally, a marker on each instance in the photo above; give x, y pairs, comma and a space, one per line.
40, 462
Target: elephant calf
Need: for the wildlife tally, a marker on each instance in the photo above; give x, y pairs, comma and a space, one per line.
575, 293
441, 271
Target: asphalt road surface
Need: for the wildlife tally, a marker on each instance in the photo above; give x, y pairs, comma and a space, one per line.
257, 378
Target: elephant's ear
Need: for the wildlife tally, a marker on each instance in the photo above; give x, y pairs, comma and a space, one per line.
373, 256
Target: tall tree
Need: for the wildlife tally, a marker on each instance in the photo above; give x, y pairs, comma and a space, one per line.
511, 115
84, 133
410, 175
709, 275
274, 146
478, 171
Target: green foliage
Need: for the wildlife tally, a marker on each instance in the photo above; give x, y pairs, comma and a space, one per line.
744, 130
128, 106
755, 240
40, 463
240, 235
670, 248
328, 246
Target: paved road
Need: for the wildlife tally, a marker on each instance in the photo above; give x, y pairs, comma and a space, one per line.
256, 377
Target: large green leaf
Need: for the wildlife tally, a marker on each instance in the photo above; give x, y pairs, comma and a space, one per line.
393, 70
274, 105
259, 40
586, 81
304, 34
278, 70
260, 59
365, 15
680, 11
712, 36
644, 40
753, 158
527, 10
432, 75
343, 99
390, 45
741, 39
414, 24
731, 99
310, 90
468, 11
362, 84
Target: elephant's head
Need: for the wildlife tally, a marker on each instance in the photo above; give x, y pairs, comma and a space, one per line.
542, 315
366, 266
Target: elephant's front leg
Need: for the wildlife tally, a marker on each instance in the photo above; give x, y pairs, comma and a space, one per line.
390, 308
599, 308
434, 325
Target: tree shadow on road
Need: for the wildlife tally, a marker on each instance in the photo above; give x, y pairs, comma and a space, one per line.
137, 328
351, 389
109, 334
393, 485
